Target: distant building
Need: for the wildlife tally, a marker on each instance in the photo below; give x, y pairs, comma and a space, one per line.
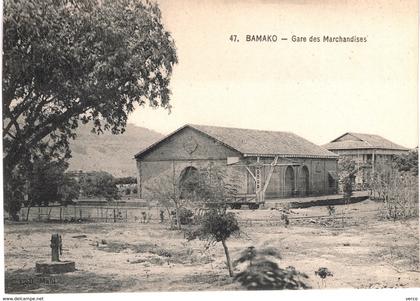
267, 163
370, 153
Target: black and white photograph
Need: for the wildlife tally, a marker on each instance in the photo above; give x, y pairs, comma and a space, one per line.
161, 146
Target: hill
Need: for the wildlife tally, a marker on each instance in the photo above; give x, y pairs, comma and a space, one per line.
110, 153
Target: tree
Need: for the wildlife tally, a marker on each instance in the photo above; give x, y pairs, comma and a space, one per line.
408, 162
165, 190
44, 180
347, 173
216, 225
70, 61
47, 183
399, 192
208, 186
99, 184
212, 186
69, 190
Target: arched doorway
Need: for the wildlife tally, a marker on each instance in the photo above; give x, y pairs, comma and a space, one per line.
289, 181
304, 181
188, 181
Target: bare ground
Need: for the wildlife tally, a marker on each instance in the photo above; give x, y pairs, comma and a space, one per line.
363, 251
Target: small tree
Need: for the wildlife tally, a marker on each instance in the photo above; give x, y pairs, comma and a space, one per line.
209, 186
216, 225
347, 174
399, 193
166, 192
323, 273
212, 186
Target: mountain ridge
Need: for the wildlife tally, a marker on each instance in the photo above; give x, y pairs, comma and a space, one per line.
108, 152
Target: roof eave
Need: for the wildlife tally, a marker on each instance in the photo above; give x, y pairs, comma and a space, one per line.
140, 153
369, 147
332, 156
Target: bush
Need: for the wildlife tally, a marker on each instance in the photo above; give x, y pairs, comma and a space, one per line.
267, 275
186, 216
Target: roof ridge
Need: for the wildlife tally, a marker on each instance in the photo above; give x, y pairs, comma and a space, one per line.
237, 128
361, 138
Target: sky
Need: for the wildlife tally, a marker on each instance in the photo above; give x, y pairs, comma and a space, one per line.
316, 90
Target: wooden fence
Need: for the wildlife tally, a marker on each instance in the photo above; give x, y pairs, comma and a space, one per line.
111, 214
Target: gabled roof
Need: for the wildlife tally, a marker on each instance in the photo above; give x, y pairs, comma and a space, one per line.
363, 141
257, 143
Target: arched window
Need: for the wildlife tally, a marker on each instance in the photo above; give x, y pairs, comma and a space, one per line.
188, 180
304, 181
289, 181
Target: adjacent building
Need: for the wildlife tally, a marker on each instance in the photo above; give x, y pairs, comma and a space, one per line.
370, 152
267, 164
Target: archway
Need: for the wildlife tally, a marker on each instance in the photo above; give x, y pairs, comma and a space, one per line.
188, 181
289, 181
304, 181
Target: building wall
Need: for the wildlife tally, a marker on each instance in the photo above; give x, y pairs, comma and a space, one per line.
318, 177
151, 172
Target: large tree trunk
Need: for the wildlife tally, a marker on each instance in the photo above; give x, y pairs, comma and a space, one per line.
229, 263
12, 202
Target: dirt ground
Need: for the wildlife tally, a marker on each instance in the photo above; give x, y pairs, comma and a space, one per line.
361, 249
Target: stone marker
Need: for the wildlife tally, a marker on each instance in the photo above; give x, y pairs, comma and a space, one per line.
55, 266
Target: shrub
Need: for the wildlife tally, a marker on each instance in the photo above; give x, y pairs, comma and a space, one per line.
267, 275
323, 273
186, 216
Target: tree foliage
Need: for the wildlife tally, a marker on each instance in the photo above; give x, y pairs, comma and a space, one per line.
165, 191
126, 180
347, 173
211, 186
262, 273
48, 183
216, 225
72, 61
408, 162
323, 273
398, 190
99, 184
